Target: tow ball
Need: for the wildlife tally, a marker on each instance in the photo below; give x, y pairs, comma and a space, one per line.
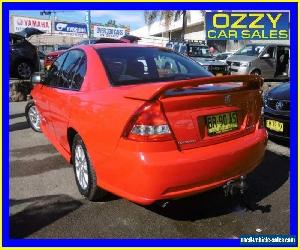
234, 186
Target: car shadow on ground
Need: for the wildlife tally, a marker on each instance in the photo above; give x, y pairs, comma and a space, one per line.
281, 142
44, 158
13, 116
38, 213
269, 176
18, 126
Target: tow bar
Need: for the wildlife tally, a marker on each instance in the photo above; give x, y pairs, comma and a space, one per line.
234, 186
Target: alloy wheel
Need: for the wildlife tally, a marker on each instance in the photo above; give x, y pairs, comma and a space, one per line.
81, 167
34, 117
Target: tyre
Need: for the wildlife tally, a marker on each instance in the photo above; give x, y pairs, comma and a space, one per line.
23, 69
32, 116
255, 72
85, 175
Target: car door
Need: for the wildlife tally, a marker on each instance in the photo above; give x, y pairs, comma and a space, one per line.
268, 64
283, 61
68, 86
43, 95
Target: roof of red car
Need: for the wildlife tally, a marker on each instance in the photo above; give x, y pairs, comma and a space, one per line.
119, 45
107, 45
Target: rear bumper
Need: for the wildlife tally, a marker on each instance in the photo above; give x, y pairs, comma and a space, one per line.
145, 177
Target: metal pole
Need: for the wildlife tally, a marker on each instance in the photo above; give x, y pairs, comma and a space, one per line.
88, 22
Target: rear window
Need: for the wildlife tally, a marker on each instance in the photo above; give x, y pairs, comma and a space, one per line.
140, 65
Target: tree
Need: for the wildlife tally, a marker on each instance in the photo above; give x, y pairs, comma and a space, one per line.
111, 23
167, 16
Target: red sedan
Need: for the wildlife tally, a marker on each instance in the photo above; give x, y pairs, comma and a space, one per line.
148, 124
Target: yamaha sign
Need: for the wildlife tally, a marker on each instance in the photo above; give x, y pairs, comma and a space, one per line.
70, 29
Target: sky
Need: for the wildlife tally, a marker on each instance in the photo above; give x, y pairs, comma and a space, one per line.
135, 19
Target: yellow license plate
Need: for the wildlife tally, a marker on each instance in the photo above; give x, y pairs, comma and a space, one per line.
221, 123
274, 125
219, 74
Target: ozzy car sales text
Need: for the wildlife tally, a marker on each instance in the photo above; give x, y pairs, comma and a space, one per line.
251, 25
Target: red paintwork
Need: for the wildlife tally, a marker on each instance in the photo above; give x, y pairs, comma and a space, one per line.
148, 171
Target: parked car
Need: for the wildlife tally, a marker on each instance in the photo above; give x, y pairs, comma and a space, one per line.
63, 47
222, 57
270, 61
24, 59
147, 123
49, 59
277, 111
130, 39
199, 51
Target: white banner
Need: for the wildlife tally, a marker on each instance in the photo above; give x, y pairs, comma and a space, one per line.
108, 32
21, 23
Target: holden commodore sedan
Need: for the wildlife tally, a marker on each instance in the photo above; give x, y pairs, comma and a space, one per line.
147, 123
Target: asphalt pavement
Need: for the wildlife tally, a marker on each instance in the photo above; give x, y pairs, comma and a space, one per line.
45, 203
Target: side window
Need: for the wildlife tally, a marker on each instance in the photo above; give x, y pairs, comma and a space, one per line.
52, 75
79, 74
16, 40
69, 67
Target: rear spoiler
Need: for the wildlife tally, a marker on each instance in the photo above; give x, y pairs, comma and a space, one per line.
155, 90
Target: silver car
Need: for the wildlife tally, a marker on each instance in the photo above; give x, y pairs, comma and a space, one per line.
270, 61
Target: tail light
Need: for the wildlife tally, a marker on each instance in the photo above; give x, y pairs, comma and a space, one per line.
148, 124
261, 122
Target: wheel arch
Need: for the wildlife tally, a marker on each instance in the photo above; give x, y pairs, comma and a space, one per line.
255, 69
71, 132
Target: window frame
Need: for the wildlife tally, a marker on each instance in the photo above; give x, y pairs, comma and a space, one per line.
84, 57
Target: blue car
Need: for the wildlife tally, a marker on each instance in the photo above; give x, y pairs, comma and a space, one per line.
277, 111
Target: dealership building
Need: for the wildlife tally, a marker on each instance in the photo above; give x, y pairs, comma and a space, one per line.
158, 33
195, 30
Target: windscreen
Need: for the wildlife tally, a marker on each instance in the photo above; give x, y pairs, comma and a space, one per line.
135, 65
221, 56
251, 50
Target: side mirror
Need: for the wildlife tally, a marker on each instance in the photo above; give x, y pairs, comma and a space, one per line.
37, 77
267, 55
